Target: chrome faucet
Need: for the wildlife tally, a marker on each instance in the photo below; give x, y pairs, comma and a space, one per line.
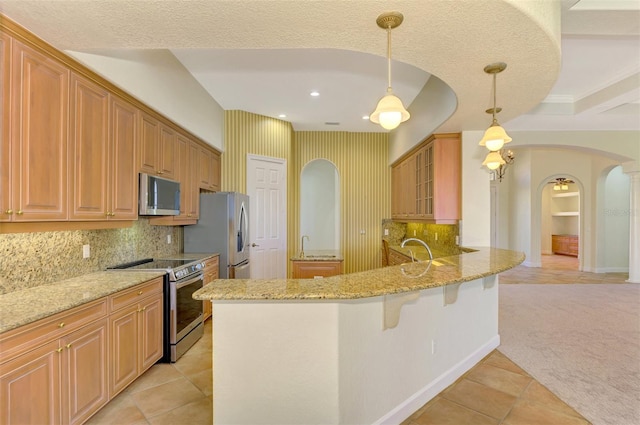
302, 248
420, 241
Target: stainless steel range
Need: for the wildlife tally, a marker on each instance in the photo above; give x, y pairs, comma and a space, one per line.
183, 316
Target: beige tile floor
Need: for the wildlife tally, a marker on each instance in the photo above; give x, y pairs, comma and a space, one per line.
495, 391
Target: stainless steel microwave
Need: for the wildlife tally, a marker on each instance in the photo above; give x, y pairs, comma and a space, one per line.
158, 196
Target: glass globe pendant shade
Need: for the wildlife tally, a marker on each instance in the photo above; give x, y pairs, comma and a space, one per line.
390, 112
565, 186
556, 187
493, 160
495, 138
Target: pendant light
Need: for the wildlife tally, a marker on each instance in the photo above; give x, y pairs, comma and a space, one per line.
495, 137
389, 112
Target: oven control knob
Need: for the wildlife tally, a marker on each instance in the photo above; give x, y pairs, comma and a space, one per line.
198, 266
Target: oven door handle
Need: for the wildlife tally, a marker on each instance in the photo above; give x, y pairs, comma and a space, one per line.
180, 284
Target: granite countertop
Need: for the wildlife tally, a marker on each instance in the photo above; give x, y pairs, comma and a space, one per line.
190, 256
319, 255
28, 305
371, 283
420, 253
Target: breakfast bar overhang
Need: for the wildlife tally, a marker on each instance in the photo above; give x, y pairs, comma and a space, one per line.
361, 348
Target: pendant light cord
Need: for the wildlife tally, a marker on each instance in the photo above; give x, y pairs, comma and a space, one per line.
389, 57
494, 99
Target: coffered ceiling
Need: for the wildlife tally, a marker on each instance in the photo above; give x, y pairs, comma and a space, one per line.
266, 56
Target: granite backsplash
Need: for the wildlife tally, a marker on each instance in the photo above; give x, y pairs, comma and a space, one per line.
33, 259
427, 232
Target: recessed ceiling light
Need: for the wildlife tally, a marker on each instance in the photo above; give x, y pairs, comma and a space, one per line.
314, 93
365, 117
282, 116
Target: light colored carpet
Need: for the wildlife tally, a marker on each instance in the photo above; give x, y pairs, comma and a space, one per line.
582, 341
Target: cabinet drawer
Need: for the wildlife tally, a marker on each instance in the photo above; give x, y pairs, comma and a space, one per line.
212, 262
133, 295
25, 338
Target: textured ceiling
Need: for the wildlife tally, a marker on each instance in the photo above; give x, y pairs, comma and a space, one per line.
265, 56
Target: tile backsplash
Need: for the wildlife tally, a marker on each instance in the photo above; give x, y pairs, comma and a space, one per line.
33, 259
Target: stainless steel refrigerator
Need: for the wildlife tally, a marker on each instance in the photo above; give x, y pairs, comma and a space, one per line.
223, 228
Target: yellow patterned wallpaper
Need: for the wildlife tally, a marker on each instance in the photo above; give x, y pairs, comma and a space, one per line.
362, 160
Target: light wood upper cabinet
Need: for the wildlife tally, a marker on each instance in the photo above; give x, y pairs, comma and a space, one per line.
40, 105
103, 141
123, 169
5, 121
193, 196
426, 185
209, 169
158, 146
89, 152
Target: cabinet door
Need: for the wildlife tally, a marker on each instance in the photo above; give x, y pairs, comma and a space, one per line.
149, 144
123, 359
40, 104
123, 204
84, 372
6, 211
30, 387
183, 175
150, 332
396, 191
168, 155
89, 150
311, 269
193, 210
215, 172
205, 164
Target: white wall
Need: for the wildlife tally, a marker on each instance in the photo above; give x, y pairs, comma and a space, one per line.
158, 79
476, 208
528, 177
615, 212
331, 362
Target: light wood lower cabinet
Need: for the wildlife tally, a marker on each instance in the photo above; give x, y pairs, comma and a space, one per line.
135, 326
565, 244
211, 273
313, 269
396, 258
60, 380
63, 369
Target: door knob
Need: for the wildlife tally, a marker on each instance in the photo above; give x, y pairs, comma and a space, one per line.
254, 245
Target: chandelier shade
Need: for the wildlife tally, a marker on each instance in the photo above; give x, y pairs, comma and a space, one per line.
493, 160
495, 137
390, 112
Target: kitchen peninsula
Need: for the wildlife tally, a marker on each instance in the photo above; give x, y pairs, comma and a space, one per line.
367, 347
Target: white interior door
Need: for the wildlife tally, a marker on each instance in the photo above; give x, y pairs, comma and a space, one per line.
267, 190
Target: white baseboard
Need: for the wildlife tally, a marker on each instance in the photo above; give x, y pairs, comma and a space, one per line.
611, 270
531, 264
433, 388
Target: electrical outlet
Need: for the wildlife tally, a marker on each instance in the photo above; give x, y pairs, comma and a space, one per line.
457, 240
386, 232
168, 238
414, 233
86, 251
436, 235
424, 232
362, 232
